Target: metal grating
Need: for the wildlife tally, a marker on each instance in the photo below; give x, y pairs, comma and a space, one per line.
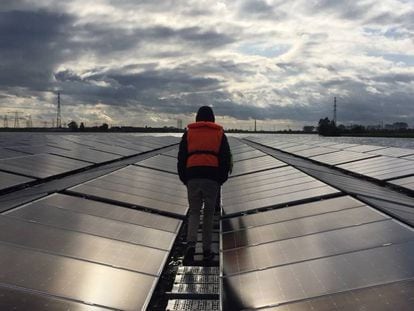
196, 289
193, 305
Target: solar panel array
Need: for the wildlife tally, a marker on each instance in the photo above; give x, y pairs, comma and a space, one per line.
67, 252
310, 250
26, 157
139, 186
377, 162
325, 253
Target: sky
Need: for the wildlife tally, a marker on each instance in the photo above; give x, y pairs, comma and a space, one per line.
151, 62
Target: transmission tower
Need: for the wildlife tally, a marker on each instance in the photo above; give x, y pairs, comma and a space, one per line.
16, 119
58, 116
29, 122
5, 121
334, 111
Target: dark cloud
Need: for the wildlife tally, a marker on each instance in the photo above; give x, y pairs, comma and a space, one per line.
31, 47
260, 9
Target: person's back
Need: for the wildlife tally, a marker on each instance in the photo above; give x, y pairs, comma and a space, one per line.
204, 161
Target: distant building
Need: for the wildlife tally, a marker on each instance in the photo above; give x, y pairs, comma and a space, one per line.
396, 126
308, 128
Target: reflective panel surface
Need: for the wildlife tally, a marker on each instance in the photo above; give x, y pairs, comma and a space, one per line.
69, 220
341, 157
289, 213
82, 246
315, 246
278, 199
113, 212
320, 277
394, 296
407, 182
299, 227
41, 165
256, 164
8, 180
160, 162
23, 300
74, 279
142, 187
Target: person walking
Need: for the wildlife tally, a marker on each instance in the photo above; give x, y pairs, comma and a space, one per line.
204, 163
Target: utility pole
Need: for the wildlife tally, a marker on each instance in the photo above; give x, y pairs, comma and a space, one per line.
58, 115
5, 121
255, 125
334, 112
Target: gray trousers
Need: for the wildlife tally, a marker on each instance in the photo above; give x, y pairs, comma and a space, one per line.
201, 190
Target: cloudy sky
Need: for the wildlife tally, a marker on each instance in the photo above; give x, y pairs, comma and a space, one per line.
150, 62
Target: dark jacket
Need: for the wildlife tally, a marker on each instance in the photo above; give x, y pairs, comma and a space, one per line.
219, 174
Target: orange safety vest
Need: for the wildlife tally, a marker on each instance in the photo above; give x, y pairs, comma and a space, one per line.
203, 143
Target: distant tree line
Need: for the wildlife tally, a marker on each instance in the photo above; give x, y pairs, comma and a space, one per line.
328, 127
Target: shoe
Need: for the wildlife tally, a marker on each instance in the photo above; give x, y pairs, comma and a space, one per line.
189, 256
208, 256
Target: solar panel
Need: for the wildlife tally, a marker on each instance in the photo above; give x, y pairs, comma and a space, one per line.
260, 193
381, 167
393, 152
41, 165
341, 157
284, 198
160, 162
293, 148
165, 194
315, 151
6, 153
74, 279
66, 219
320, 277
262, 178
36, 149
254, 165
232, 194
248, 155
314, 246
21, 299
86, 154
407, 182
409, 157
395, 296
10, 180
172, 153
82, 246
113, 212
339, 146
289, 213
299, 227
365, 148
